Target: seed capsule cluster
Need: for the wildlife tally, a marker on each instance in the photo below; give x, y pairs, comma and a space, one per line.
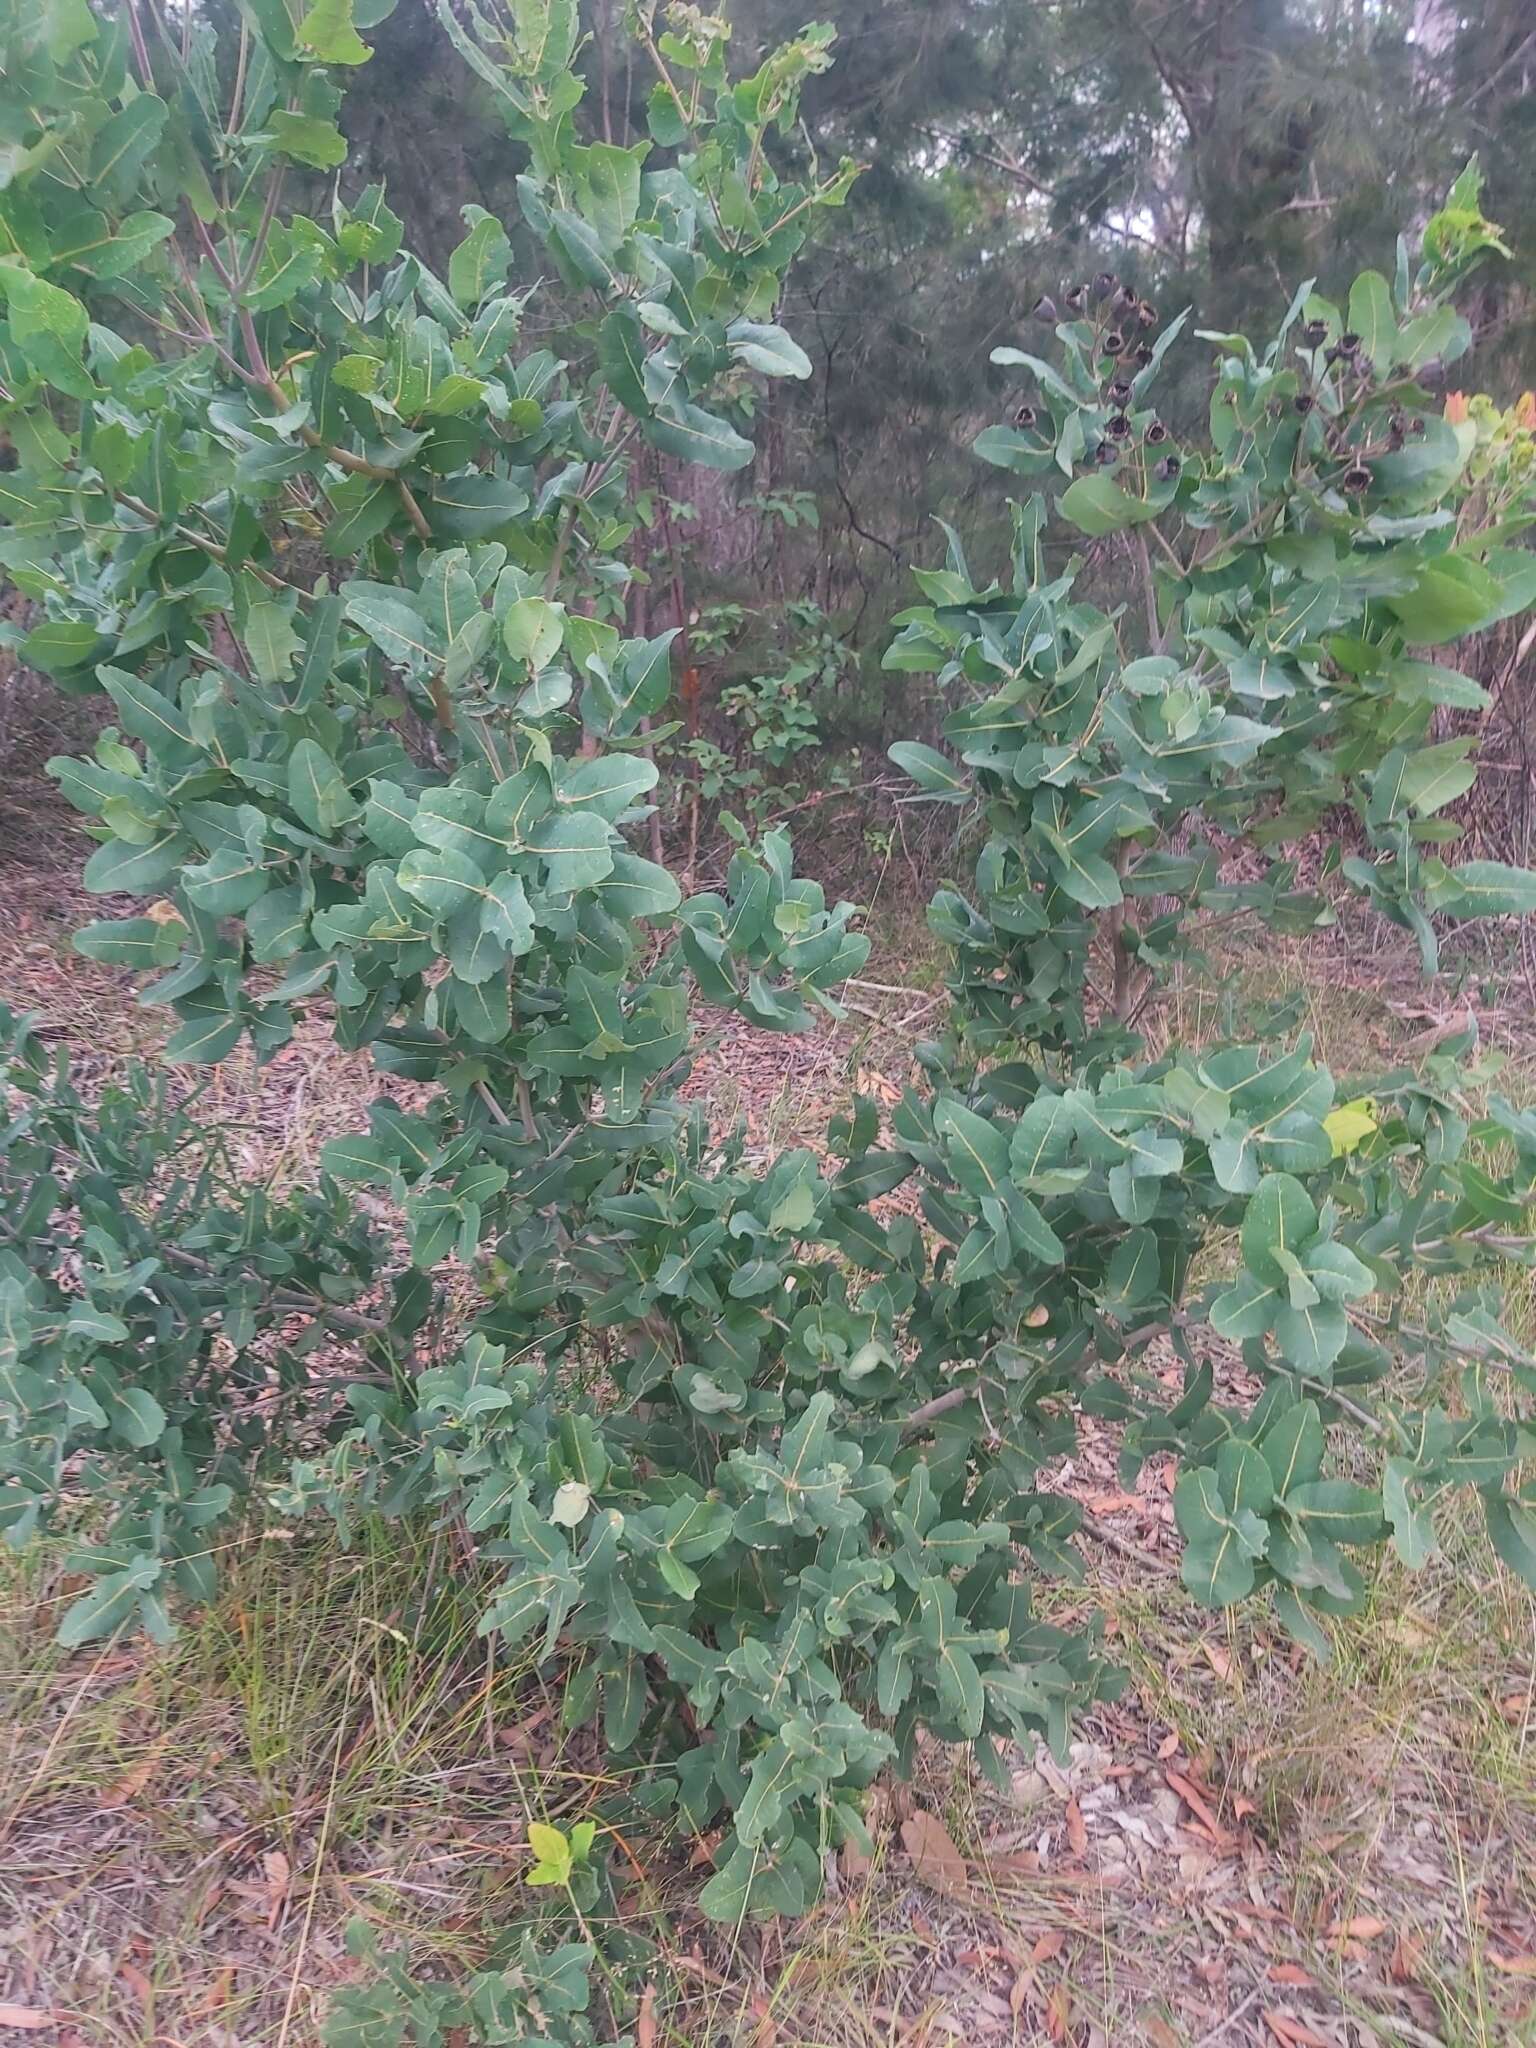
1120, 319
1343, 372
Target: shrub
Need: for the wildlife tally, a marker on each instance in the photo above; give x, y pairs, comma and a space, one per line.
754, 1449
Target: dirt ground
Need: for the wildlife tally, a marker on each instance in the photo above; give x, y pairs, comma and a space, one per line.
1247, 1849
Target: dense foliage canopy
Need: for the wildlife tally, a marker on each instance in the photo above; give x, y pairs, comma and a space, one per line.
755, 1450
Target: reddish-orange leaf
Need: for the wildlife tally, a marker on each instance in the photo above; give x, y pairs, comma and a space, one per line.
1291, 2032
1058, 2013
1077, 1831
645, 2023
217, 1994
133, 1781
26, 2019
1219, 1659
1291, 1973
1406, 1959
1512, 1966
1159, 2033
932, 1849
1197, 1803
278, 1873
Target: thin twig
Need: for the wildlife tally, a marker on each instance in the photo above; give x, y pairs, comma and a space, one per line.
1101, 1533
1231, 2019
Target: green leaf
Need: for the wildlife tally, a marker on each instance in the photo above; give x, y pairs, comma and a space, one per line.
935, 775
317, 790
123, 142
1450, 598
1485, 888
975, 1150
1281, 1216
1512, 1532
1300, 1622
1372, 318
59, 645
1413, 1533
39, 310
1026, 453
107, 1603
1097, 505
621, 355
694, 435
393, 623
149, 714
478, 265
577, 847
532, 630
441, 881
104, 251
370, 233
137, 942
555, 1861
505, 914
638, 888
1337, 1509
307, 139
1047, 375
1293, 1446
121, 869
363, 507
961, 1695
1220, 1546
1312, 1338
206, 1037
609, 784
768, 349
1440, 332
271, 641
227, 883
137, 1417
474, 507
1246, 1310
329, 31
1134, 1272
